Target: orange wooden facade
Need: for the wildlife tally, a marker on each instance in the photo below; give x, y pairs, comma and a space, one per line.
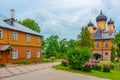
103, 49
20, 45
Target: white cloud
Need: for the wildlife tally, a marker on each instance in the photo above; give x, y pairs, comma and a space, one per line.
65, 17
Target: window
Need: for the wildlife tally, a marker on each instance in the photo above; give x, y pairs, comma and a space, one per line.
38, 54
28, 38
28, 54
1, 33
14, 54
38, 39
106, 53
15, 35
97, 44
106, 44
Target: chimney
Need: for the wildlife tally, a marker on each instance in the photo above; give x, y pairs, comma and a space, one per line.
12, 20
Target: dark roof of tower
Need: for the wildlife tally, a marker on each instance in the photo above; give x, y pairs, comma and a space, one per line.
101, 17
90, 23
94, 28
110, 21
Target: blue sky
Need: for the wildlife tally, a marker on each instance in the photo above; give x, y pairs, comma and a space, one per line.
62, 17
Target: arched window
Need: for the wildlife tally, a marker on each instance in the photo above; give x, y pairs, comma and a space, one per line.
106, 44
97, 44
28, 54
106, 53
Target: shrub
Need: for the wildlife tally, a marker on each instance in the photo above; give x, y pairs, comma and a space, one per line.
64, 62
106, 68
2, 65
96, 67
52, 58
78, 57
87, 67
112, 66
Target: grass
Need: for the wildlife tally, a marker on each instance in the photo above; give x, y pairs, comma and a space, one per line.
114, 74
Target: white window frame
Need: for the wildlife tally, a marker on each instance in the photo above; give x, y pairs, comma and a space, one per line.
106, 44
1, 33
38, 39
28, 38
97, 45
15, 36
38, 54
28, 54
14, 54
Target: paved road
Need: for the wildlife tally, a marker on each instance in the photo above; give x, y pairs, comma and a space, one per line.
52, 74
41, 72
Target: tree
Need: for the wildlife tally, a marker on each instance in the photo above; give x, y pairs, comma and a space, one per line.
30, 24
71, 43
63, 47
117, 41
112, 54
85, 39
51, 46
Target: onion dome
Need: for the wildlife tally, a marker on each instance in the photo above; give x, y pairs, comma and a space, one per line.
110, 21
101, 17
90, 23
94, 28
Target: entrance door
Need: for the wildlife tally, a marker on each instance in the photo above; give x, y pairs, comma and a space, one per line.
4, 56
96, 57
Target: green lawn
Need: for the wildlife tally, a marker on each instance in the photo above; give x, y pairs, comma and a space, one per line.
114, 74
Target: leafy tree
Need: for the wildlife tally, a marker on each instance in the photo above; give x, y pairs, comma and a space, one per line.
71, 43
78, 56
43, 47
30, 24
117, 41
52, 46
63, 47
85, 39
112, 54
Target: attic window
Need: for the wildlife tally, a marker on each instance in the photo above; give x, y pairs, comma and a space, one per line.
8, 21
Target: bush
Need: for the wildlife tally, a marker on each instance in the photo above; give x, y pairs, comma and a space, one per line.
106, 68
2, 65
96, 67
86, 69
64, 62
78, 57
112, 66
52, 58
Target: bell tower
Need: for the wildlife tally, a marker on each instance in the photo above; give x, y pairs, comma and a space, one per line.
101, 21
90, 27
111, 27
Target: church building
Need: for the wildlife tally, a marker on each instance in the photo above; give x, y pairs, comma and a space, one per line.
102, 35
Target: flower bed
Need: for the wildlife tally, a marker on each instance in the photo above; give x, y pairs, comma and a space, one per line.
106, 68
64, 62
